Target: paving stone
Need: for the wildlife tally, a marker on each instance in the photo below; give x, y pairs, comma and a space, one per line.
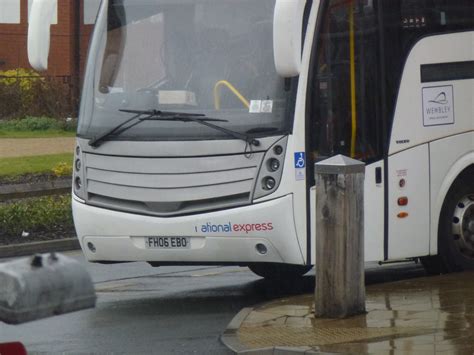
424, 316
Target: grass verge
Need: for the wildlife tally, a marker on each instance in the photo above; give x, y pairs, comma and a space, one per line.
36, 134
37, 127
32, 165
43, 214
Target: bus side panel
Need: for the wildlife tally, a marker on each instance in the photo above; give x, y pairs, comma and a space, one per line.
409, 225
434, 109
374, 212
448, 157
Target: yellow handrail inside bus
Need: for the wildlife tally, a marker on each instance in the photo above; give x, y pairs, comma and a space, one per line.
353, 79
217, 98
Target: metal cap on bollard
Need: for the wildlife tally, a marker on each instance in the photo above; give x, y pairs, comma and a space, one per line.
339, 164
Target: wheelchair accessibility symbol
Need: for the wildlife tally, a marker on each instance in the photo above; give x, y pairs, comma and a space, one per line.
300, 160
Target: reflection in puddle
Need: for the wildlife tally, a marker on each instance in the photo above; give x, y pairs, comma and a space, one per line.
425, 315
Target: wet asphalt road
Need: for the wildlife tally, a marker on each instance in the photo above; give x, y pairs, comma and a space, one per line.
167, 310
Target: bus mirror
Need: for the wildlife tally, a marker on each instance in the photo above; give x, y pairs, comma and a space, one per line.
40, 19
287, 36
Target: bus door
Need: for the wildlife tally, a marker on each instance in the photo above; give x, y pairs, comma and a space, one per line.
344, 113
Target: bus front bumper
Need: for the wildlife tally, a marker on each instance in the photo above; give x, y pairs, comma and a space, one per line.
229, 236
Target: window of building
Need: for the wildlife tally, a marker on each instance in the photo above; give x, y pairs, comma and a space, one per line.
91, 8
10, 11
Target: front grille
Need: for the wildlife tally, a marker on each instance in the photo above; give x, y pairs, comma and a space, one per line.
170, 186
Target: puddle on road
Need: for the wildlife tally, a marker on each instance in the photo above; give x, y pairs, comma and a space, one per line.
425, 315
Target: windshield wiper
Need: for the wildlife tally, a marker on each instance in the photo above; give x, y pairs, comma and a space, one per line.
98, 140
157, 115
195, 117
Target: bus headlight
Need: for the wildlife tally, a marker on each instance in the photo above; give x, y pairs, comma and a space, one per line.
274, 164
78, 183
77, 164
278, 149
269, 183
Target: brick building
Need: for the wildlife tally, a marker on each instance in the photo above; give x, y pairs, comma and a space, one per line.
70, 35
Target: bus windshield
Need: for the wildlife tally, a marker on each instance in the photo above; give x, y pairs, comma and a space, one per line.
211, 57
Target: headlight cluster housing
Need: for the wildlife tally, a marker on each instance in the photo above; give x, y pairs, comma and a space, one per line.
271, 171
77, 178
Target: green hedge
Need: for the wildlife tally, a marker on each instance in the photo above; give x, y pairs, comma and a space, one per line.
36, 215
37, 124
23, 92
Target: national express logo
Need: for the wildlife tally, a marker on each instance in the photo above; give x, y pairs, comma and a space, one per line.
236, 227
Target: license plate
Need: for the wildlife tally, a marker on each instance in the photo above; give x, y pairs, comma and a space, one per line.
168, 242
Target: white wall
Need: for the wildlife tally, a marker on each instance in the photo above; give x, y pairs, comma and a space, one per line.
55, 17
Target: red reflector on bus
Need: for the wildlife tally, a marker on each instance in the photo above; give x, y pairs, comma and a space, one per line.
403, 201
402, 215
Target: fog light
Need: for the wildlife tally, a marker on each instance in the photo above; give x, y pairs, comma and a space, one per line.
274, 164
269, 183
78, 183
278, 149
78, 164
91, 247
261, 248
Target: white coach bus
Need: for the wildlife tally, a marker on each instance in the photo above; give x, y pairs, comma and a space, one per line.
201, 121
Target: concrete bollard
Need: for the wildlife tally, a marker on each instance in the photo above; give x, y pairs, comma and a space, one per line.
340, 284
43, 286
